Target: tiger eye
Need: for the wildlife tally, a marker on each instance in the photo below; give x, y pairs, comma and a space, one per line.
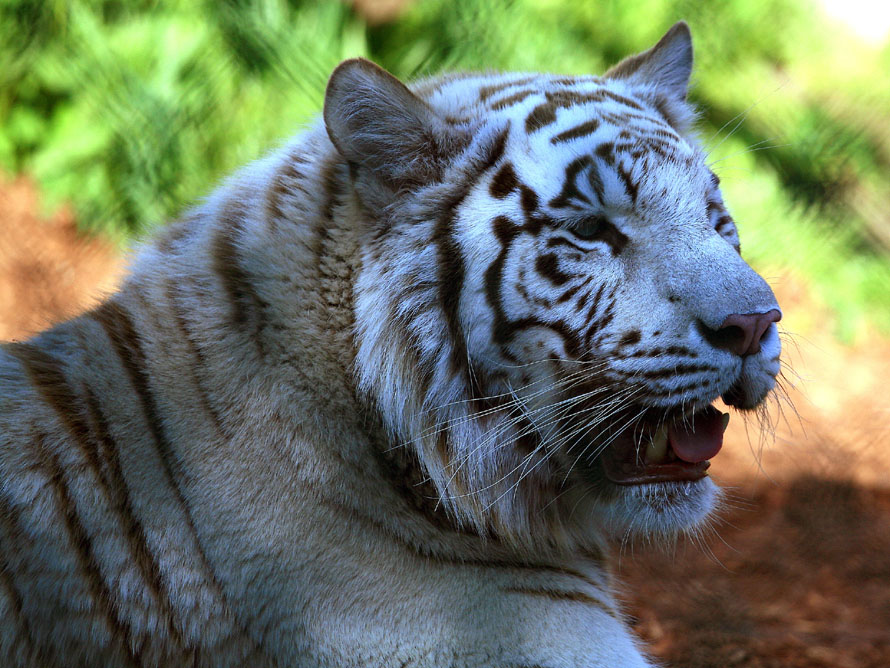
589, 228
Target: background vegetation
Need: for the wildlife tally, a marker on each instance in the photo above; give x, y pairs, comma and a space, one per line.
131, 110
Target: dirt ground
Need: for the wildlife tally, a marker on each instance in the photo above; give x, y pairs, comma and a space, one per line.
48, 272
796, 572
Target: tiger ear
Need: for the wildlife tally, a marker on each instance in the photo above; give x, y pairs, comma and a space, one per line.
666, 67
376, 123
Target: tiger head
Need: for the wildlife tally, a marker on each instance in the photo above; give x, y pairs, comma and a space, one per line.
551, 292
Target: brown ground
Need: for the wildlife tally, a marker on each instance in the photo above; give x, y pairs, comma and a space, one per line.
797, 573
48, 271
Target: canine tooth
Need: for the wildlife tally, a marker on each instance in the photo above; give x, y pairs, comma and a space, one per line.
657, 448
725, 418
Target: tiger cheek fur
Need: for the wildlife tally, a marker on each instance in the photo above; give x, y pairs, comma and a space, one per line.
363, 406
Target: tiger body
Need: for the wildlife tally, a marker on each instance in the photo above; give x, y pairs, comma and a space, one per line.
329, 418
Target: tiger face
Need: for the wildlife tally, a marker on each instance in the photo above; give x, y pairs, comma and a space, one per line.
552, 293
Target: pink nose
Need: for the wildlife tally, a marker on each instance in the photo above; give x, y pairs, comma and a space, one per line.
741, 333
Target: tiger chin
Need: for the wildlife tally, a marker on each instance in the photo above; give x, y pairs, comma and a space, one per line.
384, 398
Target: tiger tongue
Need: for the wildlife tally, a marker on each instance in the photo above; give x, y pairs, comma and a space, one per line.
699, 440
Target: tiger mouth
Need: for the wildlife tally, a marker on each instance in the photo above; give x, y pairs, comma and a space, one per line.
677, 451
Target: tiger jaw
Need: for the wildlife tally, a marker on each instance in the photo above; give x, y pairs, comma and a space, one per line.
635, 483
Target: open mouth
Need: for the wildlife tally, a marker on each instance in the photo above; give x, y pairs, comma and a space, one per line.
672, 452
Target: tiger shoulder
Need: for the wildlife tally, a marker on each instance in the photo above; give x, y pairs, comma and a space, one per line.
388, 394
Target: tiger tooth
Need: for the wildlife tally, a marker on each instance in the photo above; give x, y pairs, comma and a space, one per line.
725, 418
657, 448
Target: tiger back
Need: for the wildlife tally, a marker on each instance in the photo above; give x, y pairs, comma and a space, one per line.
384, 398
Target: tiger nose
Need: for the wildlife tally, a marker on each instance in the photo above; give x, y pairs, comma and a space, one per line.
741, 333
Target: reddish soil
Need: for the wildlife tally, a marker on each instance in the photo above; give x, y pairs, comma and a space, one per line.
48, 271
796, 573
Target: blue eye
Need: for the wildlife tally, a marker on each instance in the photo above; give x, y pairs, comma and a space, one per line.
589, 228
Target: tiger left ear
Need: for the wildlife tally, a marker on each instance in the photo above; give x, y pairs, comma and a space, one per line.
395, 139
666, 67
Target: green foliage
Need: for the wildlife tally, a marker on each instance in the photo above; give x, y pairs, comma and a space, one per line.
133, 109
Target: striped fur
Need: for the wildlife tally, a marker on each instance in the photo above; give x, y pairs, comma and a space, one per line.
342, 413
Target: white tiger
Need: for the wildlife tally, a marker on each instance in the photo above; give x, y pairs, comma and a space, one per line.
382, 399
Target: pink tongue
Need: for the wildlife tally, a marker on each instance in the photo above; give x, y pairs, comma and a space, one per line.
699, 440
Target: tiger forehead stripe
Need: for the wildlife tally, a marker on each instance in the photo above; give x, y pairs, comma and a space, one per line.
545, 113
582, 130
606, 152
487, 91
510, 100
570, 194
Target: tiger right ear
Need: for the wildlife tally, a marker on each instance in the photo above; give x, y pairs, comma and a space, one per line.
666, 67
376, 123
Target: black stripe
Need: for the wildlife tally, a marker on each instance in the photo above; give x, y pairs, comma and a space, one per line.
586, 128
49, 379
504, 182
505, 231
528, 199
487, 91
121, 332
570, 195
547, 265
247, 307
132, 527
490, 156
566, 596
510, 100
571, 292
423, 552
82, 545
46, 375
668, 372
331, 183
630, 338
595, 306
608, 233
451, 270
601, 322
606, 151
200, 363
545, 114
451, 281
555, 241
11, 523
283, 184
